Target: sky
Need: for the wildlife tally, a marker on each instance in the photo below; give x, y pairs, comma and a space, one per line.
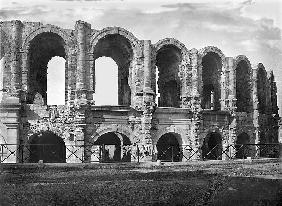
248, 27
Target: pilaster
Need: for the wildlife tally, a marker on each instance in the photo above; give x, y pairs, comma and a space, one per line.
16, 59
83, 66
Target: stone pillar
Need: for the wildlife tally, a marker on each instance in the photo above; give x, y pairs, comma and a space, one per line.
223, 86
81, 55
186, 78
148, 107
25, 66
255, 112
231, 73
147, 64
71, 83
15, 58
195, 106
83, 70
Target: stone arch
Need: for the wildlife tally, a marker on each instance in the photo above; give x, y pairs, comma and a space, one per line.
39, 47
242, 149
124, 48
124, 130
115, 30
169, 147
212, 63
205, 132
171, 129
243, 70
212, 146
207, 49
68, 39
47, 146
172, 59
248, 131
174, 42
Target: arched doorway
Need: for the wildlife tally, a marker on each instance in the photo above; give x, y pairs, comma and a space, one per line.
42, 48
243, 87
48, 147
111, 147
242, 149
212, 147
168, 82
119, 49
212, 66
168, 148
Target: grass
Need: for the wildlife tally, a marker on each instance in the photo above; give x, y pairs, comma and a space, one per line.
239, 184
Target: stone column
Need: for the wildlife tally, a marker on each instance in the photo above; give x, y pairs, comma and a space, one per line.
255, 112
71, 84
147, 64
186, 78
148, 105
82, 72
231, 70
195, 106
15, 58
81, 55
223, 87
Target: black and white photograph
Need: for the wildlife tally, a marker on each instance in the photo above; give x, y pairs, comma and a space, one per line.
139, 102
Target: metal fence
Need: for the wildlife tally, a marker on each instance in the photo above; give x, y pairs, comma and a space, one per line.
131, 153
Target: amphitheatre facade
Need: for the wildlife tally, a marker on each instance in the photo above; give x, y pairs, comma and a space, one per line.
208, 103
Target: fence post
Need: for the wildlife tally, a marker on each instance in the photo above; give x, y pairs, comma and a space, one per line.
138, 154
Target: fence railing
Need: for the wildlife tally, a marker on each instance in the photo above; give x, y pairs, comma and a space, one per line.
131, 153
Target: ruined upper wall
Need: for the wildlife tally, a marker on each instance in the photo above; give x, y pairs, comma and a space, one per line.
137, 61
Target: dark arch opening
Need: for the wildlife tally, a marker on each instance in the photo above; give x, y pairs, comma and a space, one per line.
261, 90
168, 86
41, 50
212, 147
243, 87
48, 147
211, 71
112, 147
119, 49
242, 149
168, 148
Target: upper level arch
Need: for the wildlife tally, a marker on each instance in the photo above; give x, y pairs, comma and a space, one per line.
169, 55
123, 48
211, 61
41, 49
211, 49
133, 41
172, 42
68, 39
243, 70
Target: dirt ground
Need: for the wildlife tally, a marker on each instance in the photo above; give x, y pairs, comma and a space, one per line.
205, 183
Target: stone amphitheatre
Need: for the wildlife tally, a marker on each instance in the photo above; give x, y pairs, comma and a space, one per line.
209, 106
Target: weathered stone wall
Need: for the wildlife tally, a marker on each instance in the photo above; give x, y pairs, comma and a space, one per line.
24, 111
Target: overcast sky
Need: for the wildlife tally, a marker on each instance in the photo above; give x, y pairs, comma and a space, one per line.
249, 27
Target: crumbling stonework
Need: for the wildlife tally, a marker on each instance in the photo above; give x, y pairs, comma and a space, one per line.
206, 99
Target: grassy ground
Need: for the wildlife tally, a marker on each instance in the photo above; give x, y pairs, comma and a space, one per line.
195, 184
